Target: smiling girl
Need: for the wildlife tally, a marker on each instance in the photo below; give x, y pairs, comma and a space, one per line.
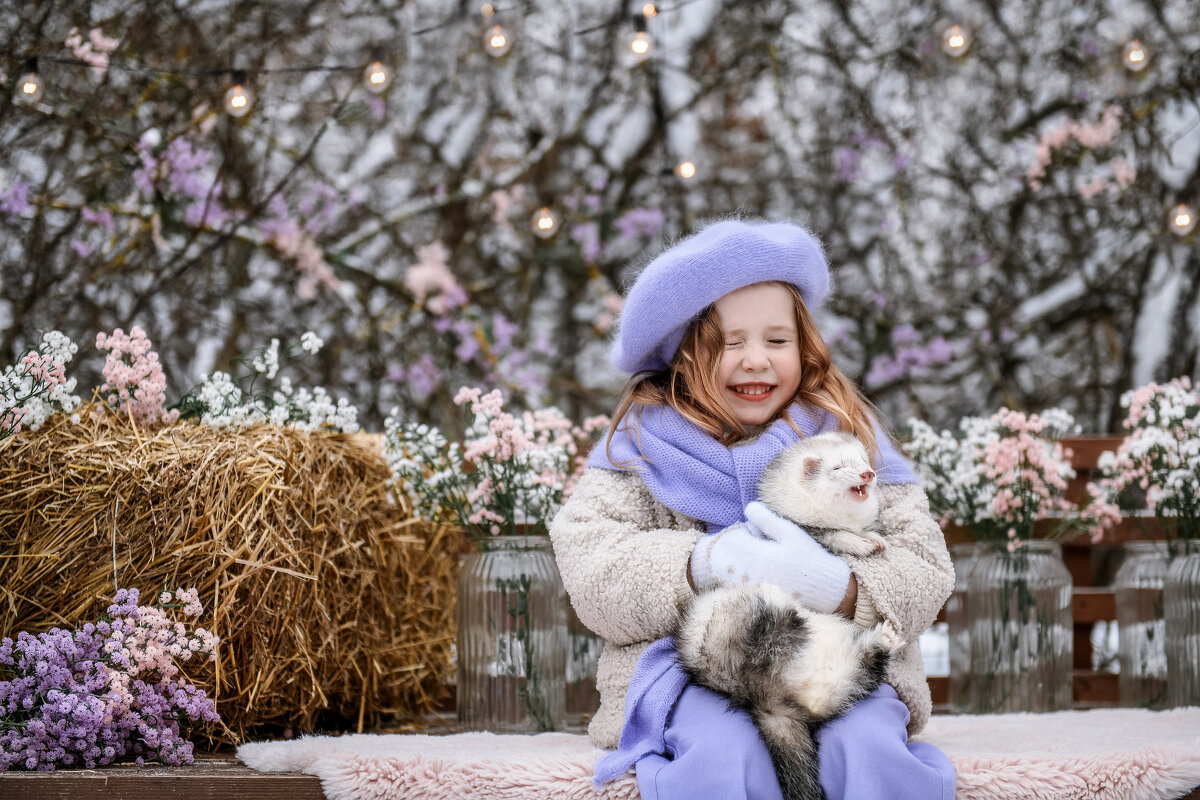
728, 368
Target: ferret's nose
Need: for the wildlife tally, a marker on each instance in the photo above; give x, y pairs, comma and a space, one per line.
867, 476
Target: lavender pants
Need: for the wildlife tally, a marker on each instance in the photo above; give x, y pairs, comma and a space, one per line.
716, 753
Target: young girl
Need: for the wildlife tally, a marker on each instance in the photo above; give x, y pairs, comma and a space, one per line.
728, 369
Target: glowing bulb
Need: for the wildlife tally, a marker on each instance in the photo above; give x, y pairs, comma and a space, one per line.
1183, 220
685, 170
1135, 57
641, 42
640, 45
30, 88
497, 41
377, 77
487, 10
544, 223
649, 10
238, 100
955, 40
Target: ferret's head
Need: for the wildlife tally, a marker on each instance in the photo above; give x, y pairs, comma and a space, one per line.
825, 480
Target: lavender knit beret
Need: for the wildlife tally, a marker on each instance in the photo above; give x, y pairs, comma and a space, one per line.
697, 271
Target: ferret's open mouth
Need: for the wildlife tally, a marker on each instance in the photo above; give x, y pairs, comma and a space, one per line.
859, 492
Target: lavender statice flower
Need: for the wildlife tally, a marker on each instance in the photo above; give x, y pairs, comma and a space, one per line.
100, 217
107, 691
639, 222
422, 377
14, 201
185, 169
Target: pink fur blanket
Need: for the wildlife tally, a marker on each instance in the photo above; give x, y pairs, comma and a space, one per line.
1104, 754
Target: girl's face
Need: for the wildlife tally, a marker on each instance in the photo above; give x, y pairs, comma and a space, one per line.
760, 365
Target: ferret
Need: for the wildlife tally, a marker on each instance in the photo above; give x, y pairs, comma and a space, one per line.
825, 485
789, 667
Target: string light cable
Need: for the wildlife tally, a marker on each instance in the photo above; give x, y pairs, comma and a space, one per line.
376, 74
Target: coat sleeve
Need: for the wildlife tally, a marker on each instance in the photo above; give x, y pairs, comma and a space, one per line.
909, 582
623, 557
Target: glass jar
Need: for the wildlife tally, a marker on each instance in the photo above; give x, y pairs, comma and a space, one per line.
1181, 610
1138, 587
583, 657
958, 628
511, 644
1022, 636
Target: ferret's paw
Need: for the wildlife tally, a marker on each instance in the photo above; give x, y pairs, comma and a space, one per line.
851, 544
888, 636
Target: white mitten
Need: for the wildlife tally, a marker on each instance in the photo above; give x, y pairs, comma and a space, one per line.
768, 548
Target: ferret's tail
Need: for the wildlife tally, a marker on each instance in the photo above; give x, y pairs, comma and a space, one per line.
793, 750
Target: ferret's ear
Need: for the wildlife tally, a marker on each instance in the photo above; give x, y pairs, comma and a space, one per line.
812, 466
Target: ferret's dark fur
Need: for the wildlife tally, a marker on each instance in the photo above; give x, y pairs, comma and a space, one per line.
792, 668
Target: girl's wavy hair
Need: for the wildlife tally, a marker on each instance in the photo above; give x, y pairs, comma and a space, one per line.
692, 386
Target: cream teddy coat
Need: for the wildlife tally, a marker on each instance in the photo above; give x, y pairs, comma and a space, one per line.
624, 556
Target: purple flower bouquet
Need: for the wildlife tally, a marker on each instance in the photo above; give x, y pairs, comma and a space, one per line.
111, 690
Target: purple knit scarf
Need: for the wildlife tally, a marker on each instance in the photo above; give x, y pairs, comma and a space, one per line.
689, 471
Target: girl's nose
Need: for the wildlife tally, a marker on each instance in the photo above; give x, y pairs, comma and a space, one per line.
754, 358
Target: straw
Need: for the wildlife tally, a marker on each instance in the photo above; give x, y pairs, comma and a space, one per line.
335, 608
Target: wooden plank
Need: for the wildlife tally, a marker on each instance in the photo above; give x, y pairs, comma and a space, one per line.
204, 780
1095, 688
939, 689
1088, 688
1093, 604
1086, 450
208, 781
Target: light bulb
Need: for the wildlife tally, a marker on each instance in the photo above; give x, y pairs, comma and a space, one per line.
238, 100
497, 41
1135, 57
649, 10
956, 41
377, 77
685, 170
1183, 219
641, 44
487, 10
30, 88
544, 223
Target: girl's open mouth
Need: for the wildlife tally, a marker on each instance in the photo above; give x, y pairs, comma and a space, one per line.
753, 392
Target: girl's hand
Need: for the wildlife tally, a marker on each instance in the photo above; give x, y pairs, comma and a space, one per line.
770, 549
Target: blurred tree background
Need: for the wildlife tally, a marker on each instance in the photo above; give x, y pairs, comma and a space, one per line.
1007, 190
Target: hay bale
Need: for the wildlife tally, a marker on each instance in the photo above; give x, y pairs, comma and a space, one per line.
334, 608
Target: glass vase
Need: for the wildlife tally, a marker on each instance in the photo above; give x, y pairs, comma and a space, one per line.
583, 656
512, 637
1022, 641
958, 628
1181, 610
1138, 586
